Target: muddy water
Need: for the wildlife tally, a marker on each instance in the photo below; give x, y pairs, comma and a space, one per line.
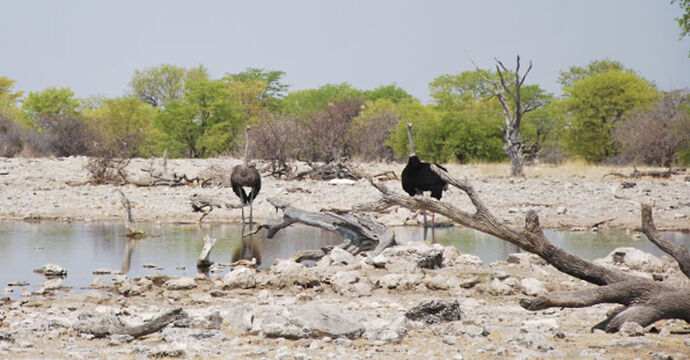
82, 248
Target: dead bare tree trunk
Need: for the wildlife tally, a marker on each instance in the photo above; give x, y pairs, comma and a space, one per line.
361, 234
132, 231
645, 301
512, 145
203, 259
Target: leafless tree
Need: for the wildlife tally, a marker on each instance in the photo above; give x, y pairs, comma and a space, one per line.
513, 109
276, 139
10, 137
325, 134
654, 136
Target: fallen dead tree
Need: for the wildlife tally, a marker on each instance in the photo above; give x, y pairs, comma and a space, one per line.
361, 233
108, 169
328, 171
165, 178
644, 301
635, 174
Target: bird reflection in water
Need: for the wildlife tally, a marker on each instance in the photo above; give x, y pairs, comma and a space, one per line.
248, 250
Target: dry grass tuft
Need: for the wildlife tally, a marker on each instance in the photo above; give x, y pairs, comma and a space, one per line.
575, 167
567, 168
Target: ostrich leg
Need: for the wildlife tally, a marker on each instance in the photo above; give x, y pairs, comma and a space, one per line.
433, 227
251, 211
242, 215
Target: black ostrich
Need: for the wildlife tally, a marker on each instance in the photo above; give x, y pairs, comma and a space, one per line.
417, 177
246, 175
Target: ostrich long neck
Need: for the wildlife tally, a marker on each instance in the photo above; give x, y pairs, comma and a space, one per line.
246, 147
409, 136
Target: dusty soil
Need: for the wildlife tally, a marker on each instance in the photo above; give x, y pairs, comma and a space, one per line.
493, 325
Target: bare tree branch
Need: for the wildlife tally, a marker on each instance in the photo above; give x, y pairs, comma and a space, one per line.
646, 301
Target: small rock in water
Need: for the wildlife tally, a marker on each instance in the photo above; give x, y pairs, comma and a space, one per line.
51, 270
99, 283
106, 272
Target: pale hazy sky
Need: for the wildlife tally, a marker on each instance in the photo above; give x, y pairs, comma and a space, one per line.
94, 46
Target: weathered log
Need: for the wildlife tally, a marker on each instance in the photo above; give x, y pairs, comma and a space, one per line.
132, 231
105, 326
678, 252
665, 174
329, 171
645, 301
361, 234
171, 180
203, 260
205, 204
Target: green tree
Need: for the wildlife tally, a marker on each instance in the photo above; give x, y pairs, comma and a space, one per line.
474, 133
159, 85
310, 101
390, 92
249, 94
684, 19
575, 73
273, 88
595, 104
428, 132
8, 97
204, 122
125, 125
471, 114
455, 91
41, 108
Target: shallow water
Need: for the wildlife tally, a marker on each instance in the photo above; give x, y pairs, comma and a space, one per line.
82, 248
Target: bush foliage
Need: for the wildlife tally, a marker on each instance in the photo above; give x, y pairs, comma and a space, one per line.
606, 113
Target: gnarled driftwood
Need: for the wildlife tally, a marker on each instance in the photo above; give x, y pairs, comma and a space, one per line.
644, 301
360, 233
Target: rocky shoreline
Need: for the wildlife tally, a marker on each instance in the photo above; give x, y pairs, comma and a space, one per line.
413, 301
